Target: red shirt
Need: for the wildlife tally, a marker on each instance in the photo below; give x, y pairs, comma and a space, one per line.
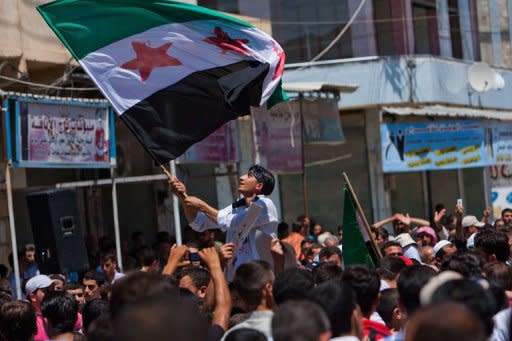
375, 330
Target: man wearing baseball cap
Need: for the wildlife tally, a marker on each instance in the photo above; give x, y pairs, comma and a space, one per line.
471, 225
35, 289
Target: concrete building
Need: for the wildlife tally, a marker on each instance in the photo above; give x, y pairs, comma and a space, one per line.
31, 55
410, 60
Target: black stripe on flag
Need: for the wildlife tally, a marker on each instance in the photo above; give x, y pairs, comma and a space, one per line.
171, 120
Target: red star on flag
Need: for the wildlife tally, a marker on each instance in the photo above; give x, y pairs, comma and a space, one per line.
148, 58
280, 54
226, 43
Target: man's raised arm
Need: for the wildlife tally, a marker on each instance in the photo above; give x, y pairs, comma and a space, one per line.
191, 205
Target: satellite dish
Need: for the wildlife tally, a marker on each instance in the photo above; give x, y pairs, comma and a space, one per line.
499, 81
481, 77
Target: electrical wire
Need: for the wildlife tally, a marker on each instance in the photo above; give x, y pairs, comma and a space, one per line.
337, 38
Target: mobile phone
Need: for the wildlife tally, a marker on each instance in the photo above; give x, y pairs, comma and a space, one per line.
194, 257
459, 202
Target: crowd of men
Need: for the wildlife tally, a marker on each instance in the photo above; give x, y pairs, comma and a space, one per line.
242, 275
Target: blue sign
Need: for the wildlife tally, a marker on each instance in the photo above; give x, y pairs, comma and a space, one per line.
408, 147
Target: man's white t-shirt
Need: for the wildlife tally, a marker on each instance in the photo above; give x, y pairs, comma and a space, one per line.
230, 220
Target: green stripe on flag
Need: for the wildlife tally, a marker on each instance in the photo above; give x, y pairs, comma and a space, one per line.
278, 96
85, 26
354, 246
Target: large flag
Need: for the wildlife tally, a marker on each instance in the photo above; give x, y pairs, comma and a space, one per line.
356, 241
174, 72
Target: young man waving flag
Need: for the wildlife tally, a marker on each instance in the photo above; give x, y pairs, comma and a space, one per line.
174, 72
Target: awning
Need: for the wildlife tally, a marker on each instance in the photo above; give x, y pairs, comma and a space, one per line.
441, 110
318, 86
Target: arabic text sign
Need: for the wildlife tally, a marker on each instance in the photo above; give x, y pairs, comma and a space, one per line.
436, 145
221, 146
63, 134
278, 140
321, 121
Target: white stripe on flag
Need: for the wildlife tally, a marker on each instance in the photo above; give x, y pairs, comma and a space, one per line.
124, 88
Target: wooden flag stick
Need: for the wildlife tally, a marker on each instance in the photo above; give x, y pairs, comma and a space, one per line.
171, 177
363, 217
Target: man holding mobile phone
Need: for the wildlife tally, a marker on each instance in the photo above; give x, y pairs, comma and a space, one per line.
241, 224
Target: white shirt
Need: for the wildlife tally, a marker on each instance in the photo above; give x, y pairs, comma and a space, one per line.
230, 219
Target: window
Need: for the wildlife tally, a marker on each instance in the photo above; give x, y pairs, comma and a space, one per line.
230, 6
304, 28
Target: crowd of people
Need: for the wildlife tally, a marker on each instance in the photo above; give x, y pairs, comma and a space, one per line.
242, 275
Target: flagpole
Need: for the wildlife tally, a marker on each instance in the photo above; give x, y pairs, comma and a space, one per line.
117, 231
14, 245
176, 208
363, 217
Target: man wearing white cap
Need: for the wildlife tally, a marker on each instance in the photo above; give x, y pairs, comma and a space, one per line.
35, 289
409, 246
443, 249
471, 225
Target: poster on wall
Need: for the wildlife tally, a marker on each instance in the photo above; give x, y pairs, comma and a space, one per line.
222, 146
277, 137
501, 199
408, 147
52, 133
321, 121
500, 137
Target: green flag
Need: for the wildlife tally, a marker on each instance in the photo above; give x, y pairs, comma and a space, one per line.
355, 237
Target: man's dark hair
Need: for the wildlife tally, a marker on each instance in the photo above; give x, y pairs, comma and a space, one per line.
494, 242
390, 267
328, 251
410, 283
445, 322
109, 257
338, 301
388, 302
471, 295
60, 309
72, 286
297, 227
283, 230
389, 244
249, 279
499, 274
199, 276
18, 321
91, 311
292, 284
264, 177
101, 329
137, 286
149, 319
468, 264
505, 211
366, 283
245, 334
326, 272
95, 275
299, 321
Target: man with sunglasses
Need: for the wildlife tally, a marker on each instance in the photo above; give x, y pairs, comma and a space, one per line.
250, 228
36, 289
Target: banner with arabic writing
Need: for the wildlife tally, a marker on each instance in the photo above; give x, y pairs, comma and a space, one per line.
65, 134
221, 146
408, 147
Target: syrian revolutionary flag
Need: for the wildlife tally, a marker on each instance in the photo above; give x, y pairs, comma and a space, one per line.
174, 72
358, 247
